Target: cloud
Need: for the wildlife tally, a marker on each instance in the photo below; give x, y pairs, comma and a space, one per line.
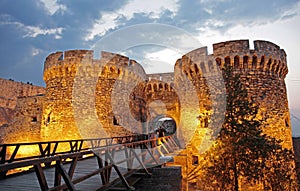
221, 15
30, 31
52, 6
111, 20
35, 51
34, 31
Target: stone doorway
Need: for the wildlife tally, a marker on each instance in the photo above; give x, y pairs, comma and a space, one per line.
165, 122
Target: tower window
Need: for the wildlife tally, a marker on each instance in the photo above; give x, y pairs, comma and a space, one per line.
48, 119
34, 119
115, 121
287, 123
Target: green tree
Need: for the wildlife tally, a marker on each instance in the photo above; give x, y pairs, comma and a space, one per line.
242, 150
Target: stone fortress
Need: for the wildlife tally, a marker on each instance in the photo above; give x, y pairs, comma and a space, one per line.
127, 100
113, 96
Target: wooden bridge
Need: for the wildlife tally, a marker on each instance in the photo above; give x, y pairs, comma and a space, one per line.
115, 163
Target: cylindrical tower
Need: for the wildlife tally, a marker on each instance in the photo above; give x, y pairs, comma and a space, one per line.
162, 100
90, 98
60, 69
199, 82
262, 71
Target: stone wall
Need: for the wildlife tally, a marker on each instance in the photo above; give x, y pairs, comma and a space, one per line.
166, 178
88, 98
296, 146
261, 70
26, 123
113, 96
10, 91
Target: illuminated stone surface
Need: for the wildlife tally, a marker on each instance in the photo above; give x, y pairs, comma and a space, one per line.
112, 96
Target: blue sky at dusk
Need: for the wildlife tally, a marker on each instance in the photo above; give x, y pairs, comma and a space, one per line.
32, 29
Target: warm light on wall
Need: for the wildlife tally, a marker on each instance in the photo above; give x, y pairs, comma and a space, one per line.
24, 150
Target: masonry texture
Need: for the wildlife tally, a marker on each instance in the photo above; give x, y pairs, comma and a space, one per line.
10, 91
113, 96
166, 178
17, 112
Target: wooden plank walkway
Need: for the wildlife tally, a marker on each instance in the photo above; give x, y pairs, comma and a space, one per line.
84, 173
29, 181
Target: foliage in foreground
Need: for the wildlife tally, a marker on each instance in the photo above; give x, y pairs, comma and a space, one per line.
242, 153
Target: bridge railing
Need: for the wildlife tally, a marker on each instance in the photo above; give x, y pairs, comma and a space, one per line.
134, 148
12, 152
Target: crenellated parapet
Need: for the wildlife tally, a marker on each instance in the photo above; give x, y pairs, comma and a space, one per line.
160, 82
68, 63
115, 66
197, 78
266, 57
65, 64
196, 64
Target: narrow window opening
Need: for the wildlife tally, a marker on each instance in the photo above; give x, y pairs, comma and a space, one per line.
196, 69
115, 121
245, 62
227, 61
34, 119
195, 160
254, 62
218, 60
48, 119
236, 62
287, 123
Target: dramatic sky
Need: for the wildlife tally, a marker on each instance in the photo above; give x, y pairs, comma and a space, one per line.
31, 29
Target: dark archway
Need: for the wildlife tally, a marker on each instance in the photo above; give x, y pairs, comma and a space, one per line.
165, 122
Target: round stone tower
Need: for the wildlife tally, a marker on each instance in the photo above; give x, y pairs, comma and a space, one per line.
60, 70
114, 93
262, 71
201, 88
90, 98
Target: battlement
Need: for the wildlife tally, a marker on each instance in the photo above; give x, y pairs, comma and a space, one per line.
59, 58
167, 77
229, 47
68, 63
266, 46
79, 54
265, 57
154, 85
242, 46
261, 46
115, 58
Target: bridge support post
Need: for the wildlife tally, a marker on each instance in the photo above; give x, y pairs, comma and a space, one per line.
57, 177
65, 176
3, 174
103, 173
41, 177
124, 181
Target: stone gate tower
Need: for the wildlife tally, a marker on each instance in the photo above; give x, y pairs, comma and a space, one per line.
124, 94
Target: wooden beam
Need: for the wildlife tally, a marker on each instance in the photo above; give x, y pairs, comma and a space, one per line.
54, 149
124, 181
65, 176
3, 154
129, 161
57, 177
72, 167
41, 177
139, 160
14, 153
100, 165
152, 156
